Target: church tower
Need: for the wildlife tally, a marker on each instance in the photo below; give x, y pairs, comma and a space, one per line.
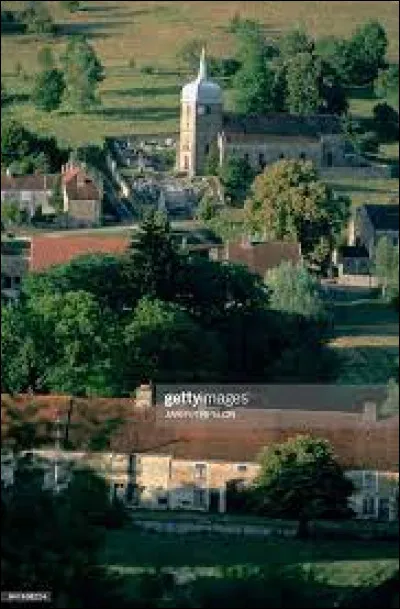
201, 120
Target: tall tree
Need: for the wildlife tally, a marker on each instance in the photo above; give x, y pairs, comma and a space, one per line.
294, 42
303, 91
301, 479
386, 267
48, 90
289, 202
236, 176
83, 72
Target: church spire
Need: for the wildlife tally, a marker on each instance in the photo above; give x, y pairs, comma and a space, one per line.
203, 66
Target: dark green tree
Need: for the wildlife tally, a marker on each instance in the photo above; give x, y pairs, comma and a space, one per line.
387, 83
367, 53
303, 90
163, 342
212, 160
154, 261
301, 479
236, 176
16, 141
295, 42
48, 90
386, 120
386, 268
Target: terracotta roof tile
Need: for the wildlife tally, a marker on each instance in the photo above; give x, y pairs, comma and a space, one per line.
261, 257
50, 250
35, 182
357, 443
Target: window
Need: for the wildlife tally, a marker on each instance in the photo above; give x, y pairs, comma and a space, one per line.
242, 468
6, 282
199, 497
329, 159
261, 160
162, 500
383, 509
303, 156
17, 280
282, 156
200, 471
207, 148
369, 506
370, 481
186, 162
246, 157
208, 110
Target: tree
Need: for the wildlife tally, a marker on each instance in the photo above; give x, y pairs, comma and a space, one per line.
301, 479
212, 160
332, 92
367, 52
236, 176
154, 262
295, 290
189, 54
11, 213
390, 406
386, 268
336, 53
38, 19
15, 141
303, 92
48, 90
387, 83
162, 342
5, 97
83, 72
295, 42
45, 59
253, 82
207, 208
386, 120
288, 202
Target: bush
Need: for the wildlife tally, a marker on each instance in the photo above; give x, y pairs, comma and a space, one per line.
367, 143
147, 69
131, 63
386, 121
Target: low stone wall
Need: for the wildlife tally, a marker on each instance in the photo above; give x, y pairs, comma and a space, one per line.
358, 281
182, 528
372, 171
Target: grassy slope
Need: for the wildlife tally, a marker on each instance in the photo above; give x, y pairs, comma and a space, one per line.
340, 564
367, 337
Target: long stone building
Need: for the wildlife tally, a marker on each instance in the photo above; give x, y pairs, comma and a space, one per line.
190, 464
259, 139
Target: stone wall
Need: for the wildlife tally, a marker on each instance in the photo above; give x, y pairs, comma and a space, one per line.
371, 171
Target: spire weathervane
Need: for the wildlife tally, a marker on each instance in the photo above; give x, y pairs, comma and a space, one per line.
203, 65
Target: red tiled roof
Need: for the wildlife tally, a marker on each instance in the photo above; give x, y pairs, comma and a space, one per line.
49, 250
79, 186
35, 182
357, 442
261, 257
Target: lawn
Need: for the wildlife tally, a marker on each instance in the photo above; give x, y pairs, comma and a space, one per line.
367, 340
338, 564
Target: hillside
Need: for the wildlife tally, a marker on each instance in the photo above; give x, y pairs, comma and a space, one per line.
150, 34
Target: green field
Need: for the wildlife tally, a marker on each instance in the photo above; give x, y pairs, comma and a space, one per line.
367, 339
340, 565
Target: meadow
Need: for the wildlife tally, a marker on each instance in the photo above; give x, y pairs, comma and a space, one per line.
341, 566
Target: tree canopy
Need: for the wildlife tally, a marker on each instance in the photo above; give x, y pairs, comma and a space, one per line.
301, 479
289, 202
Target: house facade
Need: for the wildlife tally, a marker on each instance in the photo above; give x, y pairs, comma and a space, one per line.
192, 465
371, 223
82, 197
31, 192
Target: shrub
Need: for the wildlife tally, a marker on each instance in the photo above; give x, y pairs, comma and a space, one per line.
147, 69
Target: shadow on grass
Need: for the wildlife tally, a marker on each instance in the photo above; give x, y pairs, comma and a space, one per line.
144, 92
87, 29
358, 188
365, 92
137, 114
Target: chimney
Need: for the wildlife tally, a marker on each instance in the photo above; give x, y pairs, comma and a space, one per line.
369, 414
144, 396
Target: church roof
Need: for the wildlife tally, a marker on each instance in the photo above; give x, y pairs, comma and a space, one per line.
282, 124
202, 90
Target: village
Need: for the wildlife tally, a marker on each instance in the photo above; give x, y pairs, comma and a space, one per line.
248, 249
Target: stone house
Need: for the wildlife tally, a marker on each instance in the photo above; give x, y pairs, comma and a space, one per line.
82, 197
259, 257
190, 464
259, 139
31, 192
354, 266
372, 222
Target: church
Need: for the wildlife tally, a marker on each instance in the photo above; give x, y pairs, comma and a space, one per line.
261, 140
